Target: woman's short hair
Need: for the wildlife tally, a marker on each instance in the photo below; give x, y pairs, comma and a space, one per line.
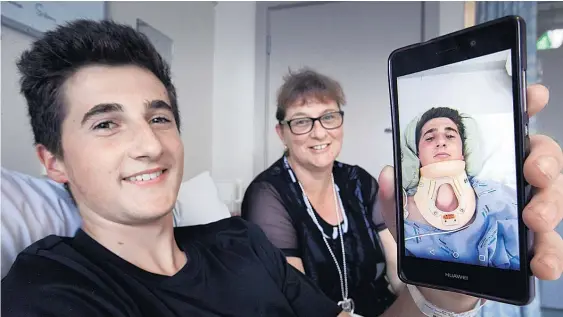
306, 85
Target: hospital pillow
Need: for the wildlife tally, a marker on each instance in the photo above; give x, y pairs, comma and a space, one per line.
497, 131
199, 202
411, 164
33, 208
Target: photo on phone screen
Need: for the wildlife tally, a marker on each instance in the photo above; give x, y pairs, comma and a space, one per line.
458, 163
460, 138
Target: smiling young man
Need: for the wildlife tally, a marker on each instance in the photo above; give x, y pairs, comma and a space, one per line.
105, 118
106, 123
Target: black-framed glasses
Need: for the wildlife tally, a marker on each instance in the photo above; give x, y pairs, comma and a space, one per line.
330, 121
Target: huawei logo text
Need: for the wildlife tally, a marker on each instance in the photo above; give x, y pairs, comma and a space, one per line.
457, 276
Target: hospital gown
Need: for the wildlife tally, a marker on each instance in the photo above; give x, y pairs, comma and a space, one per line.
491, 240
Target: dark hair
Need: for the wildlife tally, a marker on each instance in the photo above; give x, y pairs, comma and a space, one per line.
441, 112
305, 85
62, 52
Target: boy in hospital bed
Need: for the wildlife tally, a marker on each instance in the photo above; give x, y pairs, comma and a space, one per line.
451, 215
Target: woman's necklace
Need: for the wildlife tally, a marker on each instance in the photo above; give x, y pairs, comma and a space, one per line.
347, 304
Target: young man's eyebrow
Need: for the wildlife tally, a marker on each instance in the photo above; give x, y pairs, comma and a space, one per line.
101, 108
429, 131
158, 104
432, 130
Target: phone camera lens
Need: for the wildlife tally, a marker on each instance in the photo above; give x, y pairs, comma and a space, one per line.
473, 43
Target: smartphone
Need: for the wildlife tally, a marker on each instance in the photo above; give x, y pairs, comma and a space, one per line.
460, 138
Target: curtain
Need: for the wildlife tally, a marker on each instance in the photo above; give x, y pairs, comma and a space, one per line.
487, 11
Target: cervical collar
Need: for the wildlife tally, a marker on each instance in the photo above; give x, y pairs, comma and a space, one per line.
432, 177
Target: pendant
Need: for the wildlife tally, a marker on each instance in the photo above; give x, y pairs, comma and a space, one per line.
347, 305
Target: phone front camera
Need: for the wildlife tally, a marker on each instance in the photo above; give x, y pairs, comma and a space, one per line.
473, 43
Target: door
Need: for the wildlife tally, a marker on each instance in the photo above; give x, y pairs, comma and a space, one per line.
351, 42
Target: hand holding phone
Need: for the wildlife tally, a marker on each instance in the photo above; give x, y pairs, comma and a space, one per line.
460, 135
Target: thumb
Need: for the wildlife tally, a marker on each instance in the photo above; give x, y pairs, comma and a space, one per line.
386, 199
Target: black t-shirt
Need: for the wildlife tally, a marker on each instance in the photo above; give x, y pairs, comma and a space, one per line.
275, 202
232, 270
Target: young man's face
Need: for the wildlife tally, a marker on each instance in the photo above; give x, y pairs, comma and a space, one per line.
439, 141
123, 156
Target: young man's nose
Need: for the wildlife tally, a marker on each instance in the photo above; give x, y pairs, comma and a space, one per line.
146, 143
440, 143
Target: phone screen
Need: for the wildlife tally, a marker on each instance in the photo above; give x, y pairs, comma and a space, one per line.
460, 138
458, 163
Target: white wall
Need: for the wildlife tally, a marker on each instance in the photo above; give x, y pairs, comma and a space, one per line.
442, 17
189, 24
450, 16
477, 86
17, 139
233, 91
478, 92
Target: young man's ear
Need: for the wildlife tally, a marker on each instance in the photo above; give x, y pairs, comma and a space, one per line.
53, 166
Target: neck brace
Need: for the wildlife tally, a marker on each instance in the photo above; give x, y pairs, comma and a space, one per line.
432, 177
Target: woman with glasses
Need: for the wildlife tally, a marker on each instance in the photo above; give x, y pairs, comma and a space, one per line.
320, 212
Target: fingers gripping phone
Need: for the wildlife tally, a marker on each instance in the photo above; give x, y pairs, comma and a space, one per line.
460, 138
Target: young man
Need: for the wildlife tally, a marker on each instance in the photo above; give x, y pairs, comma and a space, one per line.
105, 119
452, 215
